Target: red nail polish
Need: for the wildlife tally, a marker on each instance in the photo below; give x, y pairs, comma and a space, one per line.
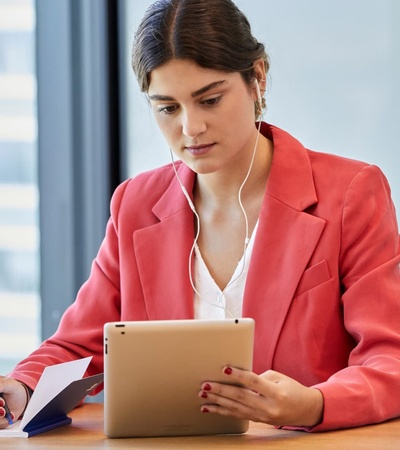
204, 394
227, 371
204, 410
206, 387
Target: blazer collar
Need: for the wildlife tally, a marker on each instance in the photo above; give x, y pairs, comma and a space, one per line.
290, 180
173, 200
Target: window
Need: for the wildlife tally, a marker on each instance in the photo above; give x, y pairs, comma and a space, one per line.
333, 80
19, 230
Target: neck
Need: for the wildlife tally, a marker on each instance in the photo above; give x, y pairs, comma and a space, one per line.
222, 188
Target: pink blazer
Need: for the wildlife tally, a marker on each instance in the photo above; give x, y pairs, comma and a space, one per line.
323, 284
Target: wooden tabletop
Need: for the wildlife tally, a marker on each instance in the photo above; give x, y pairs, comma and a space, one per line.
86, 431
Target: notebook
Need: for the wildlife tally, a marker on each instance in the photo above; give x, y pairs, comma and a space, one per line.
153, 371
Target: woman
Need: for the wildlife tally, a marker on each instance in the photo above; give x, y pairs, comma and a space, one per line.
248, 223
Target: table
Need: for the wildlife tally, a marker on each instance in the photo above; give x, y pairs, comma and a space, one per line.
86, 431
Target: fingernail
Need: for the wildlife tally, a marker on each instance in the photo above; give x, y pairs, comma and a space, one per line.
2, 412
227, 371
204, 410
204, 394
207, 387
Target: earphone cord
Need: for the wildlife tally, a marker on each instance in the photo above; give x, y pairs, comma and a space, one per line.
196, 238
246, 240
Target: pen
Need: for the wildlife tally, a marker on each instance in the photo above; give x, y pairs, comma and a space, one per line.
8, 412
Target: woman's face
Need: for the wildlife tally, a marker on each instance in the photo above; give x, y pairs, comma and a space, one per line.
205, 115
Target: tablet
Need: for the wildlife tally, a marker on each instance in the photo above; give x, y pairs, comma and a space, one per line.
153, 371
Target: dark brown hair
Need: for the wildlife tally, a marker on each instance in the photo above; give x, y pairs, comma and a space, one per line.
213, 33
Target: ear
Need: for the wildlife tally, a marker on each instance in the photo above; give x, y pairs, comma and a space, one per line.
260, 74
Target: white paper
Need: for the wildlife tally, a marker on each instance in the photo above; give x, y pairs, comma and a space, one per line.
13, 430
53, 380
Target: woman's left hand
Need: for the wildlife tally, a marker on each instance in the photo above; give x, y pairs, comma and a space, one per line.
271, 398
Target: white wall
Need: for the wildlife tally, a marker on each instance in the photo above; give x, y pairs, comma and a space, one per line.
334, 80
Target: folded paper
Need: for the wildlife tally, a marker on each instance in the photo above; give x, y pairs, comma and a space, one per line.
60, 388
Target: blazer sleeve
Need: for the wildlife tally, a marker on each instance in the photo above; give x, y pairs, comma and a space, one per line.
367, 391
80, 332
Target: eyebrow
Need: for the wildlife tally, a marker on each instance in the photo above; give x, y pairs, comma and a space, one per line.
196, 93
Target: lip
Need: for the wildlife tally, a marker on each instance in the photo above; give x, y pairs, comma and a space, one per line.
198, 150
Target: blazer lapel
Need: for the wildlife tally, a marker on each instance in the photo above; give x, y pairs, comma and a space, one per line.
162, 253
286, 239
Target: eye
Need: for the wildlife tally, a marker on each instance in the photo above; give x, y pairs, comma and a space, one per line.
168, 109
212, 101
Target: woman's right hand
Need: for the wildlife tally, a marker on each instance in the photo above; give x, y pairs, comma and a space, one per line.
15, 395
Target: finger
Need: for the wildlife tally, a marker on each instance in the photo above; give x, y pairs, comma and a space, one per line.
222, 411
233, 410
231, 396
218, 390
227, 407
251, 381
3, 413
233, 400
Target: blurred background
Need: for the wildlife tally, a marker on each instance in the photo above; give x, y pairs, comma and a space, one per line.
19, 196
73, 125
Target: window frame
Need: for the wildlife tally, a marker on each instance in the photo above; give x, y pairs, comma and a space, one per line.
78, 142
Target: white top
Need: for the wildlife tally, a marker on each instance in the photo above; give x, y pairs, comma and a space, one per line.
210, 302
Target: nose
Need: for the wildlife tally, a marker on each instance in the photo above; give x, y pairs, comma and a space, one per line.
193, 124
